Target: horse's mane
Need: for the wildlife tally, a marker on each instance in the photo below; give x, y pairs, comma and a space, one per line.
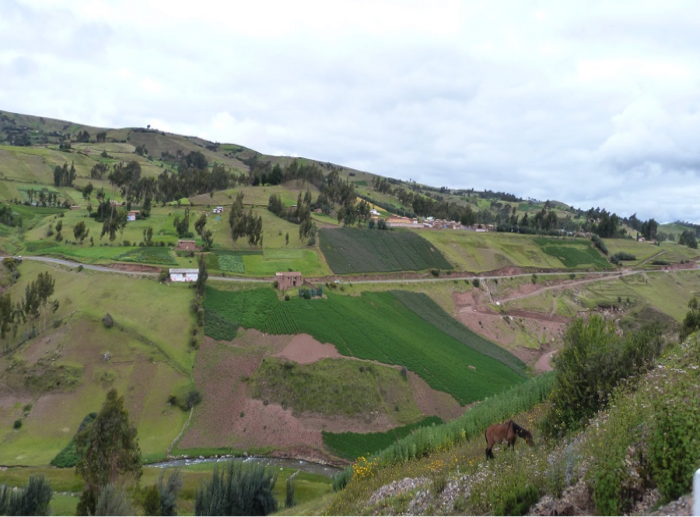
520, 431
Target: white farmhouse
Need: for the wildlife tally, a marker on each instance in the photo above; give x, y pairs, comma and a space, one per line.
184, 275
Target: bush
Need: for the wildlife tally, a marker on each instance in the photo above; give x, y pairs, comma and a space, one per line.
17, 424
151, 503
33, 499
113, 501
476, 283
518, 502
674, 450
163, 275
290, 500
107, 321
435, 272
237, 490
591, 363
79, 268
169, 492
187, 401
126, 243
598, 242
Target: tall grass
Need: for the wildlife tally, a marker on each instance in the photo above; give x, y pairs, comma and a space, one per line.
429, 439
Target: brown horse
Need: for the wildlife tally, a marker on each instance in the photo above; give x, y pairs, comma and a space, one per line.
506, 432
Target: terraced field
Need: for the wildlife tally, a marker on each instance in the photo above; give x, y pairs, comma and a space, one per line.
351, 250
381, 327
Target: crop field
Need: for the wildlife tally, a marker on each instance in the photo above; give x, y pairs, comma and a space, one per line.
378, 326
353, 445
573, 253
425, 308
314, 388
149, 255
350, 250
479, 252
281, 321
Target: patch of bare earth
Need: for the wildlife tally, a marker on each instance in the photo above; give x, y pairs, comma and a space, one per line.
227, 417
433, 402
544, 363
136, 268
304, 349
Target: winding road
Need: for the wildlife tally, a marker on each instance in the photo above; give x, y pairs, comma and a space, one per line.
600, 275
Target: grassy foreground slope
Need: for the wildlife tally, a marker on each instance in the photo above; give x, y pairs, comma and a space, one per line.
350, 250
60, 376
375, 326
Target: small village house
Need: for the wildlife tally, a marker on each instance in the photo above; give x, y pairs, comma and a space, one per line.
288, 280
184, 275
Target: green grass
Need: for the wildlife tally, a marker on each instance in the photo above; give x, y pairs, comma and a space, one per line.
231, 264
314, 388
377, 326
480, 252
149, 255
350, 250
353, 445
573, 253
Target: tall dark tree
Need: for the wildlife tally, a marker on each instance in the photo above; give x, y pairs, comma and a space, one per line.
201, 283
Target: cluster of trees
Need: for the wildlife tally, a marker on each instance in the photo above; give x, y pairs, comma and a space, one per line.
29, 308
64, 176
182, 226
688, 238
299, 214
7, 218
82, 136
245, 224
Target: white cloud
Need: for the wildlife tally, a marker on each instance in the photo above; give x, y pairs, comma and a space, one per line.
592, 104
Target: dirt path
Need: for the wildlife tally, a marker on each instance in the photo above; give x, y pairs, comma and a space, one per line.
544, 363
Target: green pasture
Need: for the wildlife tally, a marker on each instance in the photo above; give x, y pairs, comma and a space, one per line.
641, 250
486, 251
257, 196
314, 388
378, 326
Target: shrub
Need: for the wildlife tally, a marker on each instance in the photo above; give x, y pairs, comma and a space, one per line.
187, 401
237, 490
518, 502
290, 501
591, 363
476, 283
435, 272
17, 424
33, 499
151, 503
79, 268
113, 501
107, 321
674, 450
598, 242
169, 492
126, 243
163, 275
533, 279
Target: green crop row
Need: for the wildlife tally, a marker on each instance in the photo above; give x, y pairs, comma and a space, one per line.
219, 328
351, 250
353, 445
425, 308
281, 322
231, 263
375, 326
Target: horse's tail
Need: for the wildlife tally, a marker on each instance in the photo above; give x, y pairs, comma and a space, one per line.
486, 436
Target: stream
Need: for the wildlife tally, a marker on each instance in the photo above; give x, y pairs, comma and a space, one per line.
304, 466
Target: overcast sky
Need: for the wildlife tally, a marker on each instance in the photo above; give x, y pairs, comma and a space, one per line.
590, 103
